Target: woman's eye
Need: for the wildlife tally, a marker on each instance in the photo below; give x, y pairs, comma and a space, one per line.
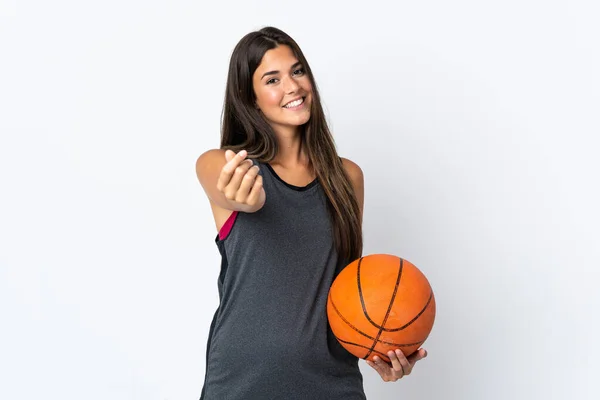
272, 80
299, 71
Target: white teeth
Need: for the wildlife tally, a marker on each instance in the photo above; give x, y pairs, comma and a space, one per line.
294, 103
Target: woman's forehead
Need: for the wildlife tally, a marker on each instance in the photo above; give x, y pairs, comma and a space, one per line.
281, 57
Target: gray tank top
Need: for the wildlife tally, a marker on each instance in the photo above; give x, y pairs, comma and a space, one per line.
269, 338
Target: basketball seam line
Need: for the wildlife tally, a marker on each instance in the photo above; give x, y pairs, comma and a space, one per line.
415, 318
363, 333
364, 307
383, 356
362, 346
389, 306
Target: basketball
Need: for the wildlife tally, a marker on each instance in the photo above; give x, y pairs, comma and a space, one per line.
379, 303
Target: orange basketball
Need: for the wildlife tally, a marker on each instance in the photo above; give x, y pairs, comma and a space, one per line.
379, 303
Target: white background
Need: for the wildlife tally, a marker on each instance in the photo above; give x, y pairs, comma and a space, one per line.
476, 126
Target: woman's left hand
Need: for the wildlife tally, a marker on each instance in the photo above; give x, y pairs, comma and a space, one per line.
401, 365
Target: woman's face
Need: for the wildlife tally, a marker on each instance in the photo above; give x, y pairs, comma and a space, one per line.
283, 90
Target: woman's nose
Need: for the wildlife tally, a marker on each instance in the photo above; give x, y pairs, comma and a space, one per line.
290, 85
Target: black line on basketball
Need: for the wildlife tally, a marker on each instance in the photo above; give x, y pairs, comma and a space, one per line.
361, 346
346, 321
387, 313
401, 344
359, 287
365, 334
409, 323
362, 300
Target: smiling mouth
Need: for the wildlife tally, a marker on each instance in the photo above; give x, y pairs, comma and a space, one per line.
295, 103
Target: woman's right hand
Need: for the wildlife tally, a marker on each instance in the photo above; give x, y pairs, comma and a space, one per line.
240, 182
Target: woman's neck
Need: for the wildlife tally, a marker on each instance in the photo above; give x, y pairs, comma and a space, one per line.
291, 151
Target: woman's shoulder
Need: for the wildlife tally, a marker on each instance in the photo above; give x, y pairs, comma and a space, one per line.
209, 165
211, 160
210, 155
355, 174
352, 169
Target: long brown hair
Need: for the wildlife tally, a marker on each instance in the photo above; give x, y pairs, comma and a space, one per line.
243, 126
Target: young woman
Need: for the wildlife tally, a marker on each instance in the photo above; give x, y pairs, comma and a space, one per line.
288, 212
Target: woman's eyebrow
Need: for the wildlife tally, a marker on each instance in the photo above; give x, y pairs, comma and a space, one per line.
297, 64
